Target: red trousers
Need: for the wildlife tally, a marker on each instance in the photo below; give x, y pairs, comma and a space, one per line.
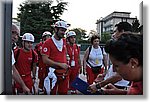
41, 76
27, 80
91, 76
73, 73
61, 86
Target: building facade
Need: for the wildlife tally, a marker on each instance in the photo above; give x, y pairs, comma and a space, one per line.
107, 24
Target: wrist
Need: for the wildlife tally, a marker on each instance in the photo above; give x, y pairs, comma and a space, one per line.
33, 78
98, 86
58, 64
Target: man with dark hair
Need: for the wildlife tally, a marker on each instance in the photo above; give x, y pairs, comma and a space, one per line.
121, 28
54, 55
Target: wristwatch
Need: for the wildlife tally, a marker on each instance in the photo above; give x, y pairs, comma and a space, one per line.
98, 86
33, 78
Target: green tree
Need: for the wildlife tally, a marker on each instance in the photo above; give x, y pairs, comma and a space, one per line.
80, 34
92, 32
105, 37
37, 17
136, 26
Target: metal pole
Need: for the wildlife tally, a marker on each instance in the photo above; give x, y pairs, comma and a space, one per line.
7, 22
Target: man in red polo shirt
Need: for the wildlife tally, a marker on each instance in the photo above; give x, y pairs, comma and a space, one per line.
25, 63
54, 55
42, 66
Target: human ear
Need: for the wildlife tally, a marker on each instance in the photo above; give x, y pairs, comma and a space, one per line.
134, 62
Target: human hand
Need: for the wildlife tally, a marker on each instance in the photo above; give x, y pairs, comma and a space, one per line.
26, 90
110, 89
64, 65
92, 88
99, 78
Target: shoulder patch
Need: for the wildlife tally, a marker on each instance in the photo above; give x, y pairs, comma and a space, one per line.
45, 49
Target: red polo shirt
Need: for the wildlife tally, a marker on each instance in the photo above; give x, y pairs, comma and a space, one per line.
54, 54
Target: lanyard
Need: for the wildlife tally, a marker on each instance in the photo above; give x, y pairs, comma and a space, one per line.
72, 50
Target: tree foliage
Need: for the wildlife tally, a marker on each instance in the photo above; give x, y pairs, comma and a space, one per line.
92, 32
80, 34
136, 26
105, 37
37, 17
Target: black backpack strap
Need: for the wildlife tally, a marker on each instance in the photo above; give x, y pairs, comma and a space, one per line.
89, 54
17, 55
102, 49
33, 57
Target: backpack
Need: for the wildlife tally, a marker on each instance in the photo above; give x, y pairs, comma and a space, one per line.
89, 54
33, 57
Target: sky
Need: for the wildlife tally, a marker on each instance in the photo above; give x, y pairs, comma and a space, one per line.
84, 13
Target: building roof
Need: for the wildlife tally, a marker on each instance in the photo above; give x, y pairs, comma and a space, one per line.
110, 16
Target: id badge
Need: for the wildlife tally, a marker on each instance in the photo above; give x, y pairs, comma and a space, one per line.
96, 61
72, 63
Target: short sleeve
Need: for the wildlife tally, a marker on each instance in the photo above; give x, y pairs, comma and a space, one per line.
46, 48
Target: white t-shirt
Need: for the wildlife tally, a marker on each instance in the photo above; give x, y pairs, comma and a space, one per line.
58, 43
96, 56
111, 73
13, 59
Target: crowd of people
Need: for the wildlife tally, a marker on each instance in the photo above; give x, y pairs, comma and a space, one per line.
54, 63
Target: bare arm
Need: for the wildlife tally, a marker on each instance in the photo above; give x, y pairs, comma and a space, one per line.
34, 70
16, 76
85, 58
79, 62
110, 89
106, 82
113, 79
52, 63
105, 62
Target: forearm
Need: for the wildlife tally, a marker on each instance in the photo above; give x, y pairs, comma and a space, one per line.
16, 76
84, 63
34, 70
50, 62
79, 61
121, 92
111, 80
105, 62
85, 58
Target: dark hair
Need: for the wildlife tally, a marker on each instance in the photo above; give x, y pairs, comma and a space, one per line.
126, 47
95, 36
124, 26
